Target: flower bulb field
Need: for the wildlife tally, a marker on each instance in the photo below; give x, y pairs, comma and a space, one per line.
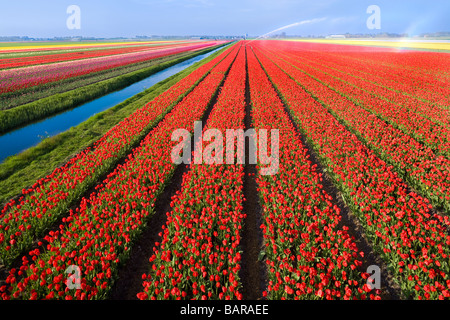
355, 206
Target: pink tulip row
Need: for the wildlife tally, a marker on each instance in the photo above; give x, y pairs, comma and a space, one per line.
16, 79
76, 54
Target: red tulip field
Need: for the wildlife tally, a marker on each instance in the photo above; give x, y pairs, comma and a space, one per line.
349, 199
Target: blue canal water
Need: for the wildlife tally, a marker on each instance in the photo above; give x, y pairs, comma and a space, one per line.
23, 138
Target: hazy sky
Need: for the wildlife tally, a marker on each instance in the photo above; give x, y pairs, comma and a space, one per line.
128, 18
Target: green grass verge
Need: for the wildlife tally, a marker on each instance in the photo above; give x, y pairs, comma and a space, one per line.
22, 170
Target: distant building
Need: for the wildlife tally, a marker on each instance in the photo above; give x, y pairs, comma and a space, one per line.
336, 36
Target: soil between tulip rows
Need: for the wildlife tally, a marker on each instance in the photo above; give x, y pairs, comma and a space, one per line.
252, 271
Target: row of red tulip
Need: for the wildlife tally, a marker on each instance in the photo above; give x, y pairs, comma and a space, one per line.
49, 198
417, 120
376, 85
199, 254
424, 75
416, 163
308, 255
398, 223
418, 82
97, 236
